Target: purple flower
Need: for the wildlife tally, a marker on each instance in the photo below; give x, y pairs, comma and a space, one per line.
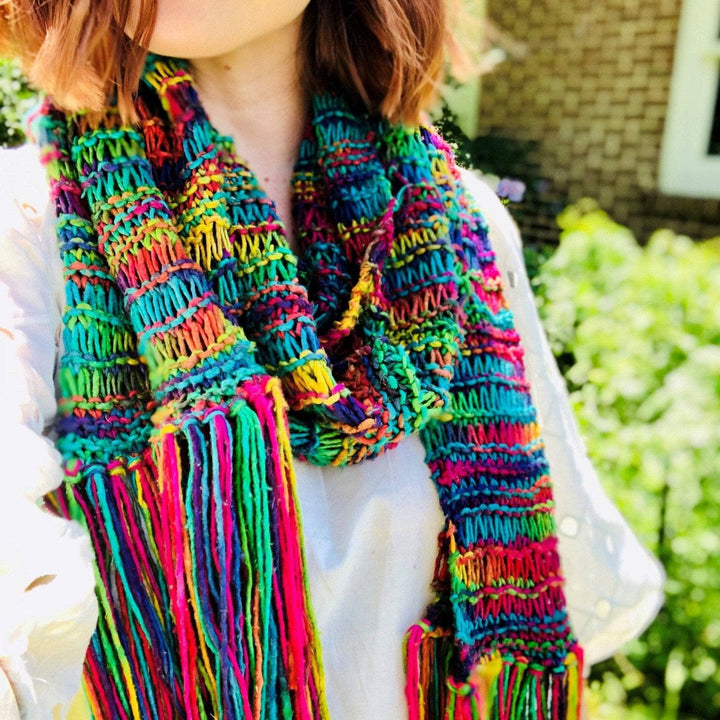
513, 190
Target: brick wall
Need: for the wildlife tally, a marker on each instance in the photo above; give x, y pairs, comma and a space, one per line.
593, 92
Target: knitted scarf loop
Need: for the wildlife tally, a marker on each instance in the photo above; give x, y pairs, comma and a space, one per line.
202, 358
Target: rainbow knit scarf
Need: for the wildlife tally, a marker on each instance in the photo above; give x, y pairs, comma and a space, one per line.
202, 357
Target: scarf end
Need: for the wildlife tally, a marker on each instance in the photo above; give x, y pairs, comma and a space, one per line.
204, 608
498, 687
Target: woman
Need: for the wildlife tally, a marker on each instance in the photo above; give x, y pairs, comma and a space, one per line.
221, 350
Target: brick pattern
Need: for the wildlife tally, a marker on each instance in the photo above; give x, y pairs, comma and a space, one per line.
593, 91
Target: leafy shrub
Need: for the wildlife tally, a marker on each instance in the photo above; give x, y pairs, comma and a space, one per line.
15, 100
638, 332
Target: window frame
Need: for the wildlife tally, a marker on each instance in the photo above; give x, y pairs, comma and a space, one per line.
686, 167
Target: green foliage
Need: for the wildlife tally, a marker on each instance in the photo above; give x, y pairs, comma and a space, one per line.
638, 332
16, 98
492, 154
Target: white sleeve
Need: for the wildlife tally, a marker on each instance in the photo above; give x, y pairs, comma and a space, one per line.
613, 585
47, 604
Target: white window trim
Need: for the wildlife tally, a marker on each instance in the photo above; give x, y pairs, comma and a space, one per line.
686, 168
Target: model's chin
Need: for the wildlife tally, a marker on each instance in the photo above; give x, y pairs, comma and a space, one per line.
185, 28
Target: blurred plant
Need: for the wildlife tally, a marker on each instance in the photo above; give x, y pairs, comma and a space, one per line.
510, 164
16, 98
492, 154
511, 190
638, 333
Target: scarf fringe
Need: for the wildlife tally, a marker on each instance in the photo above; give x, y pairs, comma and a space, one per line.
204, 609
498, 688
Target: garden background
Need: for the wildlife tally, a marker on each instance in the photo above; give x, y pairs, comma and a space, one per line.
633, 316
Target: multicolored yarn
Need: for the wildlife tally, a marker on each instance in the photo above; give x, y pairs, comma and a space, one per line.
201, 355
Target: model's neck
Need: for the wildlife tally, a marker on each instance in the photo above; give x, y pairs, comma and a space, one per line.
253, 94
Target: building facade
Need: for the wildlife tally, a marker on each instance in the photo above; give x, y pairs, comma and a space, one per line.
592, 94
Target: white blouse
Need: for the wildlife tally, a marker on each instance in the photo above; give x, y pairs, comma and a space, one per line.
370, 529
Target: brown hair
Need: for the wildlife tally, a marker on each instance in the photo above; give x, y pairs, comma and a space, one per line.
387, 53
78, 50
